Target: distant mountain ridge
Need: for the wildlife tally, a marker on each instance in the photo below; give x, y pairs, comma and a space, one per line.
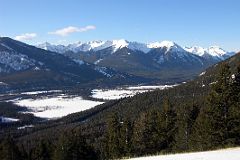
164, 60
214, 51
100, 63
23, 66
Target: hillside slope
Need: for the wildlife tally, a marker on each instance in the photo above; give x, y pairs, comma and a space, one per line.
225, 154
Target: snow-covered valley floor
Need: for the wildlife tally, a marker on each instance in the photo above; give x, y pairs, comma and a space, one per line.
55, 107
225, 154
117, 93
55, 104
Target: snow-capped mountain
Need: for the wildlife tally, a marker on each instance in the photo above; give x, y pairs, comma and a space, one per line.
170, 52
23, 66
95, 46
215, 52
52, 47
145, 59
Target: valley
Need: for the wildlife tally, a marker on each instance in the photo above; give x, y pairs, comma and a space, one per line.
54, 104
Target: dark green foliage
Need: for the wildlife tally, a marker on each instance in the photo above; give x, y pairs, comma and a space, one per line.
9, 150
186, 116
154, 131
234, 110
217, 124
43, 151
72, 146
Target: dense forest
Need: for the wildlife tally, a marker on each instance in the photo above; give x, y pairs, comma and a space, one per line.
202, 114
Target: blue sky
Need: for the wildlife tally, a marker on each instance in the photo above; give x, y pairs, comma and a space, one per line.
187, 22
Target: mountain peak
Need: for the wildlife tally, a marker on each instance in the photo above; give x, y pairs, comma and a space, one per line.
96, 45
167, 44
121, 43
200, 51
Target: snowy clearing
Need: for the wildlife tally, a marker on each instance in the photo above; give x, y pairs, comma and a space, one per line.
112, 94
61, 105
55, 107
225, 154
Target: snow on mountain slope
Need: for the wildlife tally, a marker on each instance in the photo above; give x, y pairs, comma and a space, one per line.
95, 46
52, 47
200, 51
216, 51
79, 46
213, 51
225, 154
14, 61
11, 60
168, 46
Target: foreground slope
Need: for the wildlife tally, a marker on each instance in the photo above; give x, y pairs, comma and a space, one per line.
225, 154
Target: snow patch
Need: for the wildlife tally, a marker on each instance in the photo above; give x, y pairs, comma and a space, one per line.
201, 74
225, 154
26, 126
103, 70
98, 61
7, 120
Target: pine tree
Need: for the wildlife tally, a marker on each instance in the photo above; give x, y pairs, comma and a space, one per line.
213, 126
9, 150
234, 111
43, 151
140, 137
167, 126
113, 138
186, 117
155, 130
126, 137
72, 146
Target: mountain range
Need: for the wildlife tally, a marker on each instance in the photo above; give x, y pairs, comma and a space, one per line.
214, 51
23, 66
165, 61
100, 63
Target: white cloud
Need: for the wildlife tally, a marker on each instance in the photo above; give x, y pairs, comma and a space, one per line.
68, 30
26, 36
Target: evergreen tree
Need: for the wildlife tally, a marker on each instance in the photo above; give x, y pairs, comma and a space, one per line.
9, 150
126, 137
43, 151
140, 137
73, 146
186, 117
113, 138
155, 130
214, 124
167, 127
234, 111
